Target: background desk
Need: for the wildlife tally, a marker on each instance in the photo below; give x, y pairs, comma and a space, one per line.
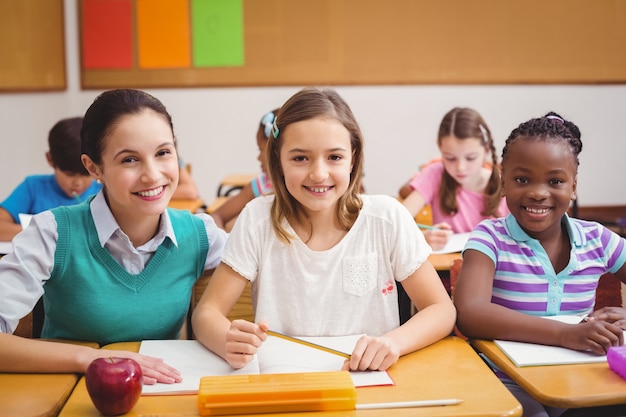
448, 369
442, 262
191, 205
565, 386
35, 395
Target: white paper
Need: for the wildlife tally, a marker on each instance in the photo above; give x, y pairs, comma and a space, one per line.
456, 243
531, 354
276, 355
24, 219
6, 247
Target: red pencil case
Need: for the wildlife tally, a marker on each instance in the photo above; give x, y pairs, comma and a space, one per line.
616, 357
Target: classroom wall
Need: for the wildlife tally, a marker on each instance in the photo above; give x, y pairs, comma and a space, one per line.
216, 126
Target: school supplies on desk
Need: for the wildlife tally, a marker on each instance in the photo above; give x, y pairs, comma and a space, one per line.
616, 357
309, 344
24, 219
276, 356
276, 393
6, 247
531, 354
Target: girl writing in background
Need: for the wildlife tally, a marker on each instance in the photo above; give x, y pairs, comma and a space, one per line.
322, 258
461, 190
261, 185
121, 265
538, 261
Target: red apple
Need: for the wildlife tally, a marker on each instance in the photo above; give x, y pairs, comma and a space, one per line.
114, 384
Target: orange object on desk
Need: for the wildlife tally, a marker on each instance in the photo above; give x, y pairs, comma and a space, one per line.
276, 393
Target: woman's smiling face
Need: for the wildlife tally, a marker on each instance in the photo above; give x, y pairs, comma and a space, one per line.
140, 165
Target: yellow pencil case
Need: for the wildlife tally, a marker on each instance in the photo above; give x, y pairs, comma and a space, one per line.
275, 393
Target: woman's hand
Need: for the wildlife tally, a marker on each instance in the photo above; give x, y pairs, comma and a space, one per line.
372, 353
439, 236
243, 341
154, 369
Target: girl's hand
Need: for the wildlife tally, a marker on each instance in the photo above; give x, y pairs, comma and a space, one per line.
437, 238
593, 335
615, 315
372, 353
243, 340
154, 369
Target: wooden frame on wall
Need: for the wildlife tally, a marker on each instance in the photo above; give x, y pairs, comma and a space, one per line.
32, 50
368, 42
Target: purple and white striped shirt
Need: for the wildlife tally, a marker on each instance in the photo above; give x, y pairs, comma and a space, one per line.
525, 280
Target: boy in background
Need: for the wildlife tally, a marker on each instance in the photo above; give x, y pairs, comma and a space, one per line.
70, 183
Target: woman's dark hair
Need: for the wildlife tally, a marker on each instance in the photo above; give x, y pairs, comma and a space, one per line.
107, 110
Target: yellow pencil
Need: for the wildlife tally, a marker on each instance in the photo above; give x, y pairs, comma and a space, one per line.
309, 344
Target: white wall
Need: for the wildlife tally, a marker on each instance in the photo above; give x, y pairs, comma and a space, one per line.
216, 126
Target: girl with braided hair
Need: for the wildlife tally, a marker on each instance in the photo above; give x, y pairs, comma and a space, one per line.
538, 261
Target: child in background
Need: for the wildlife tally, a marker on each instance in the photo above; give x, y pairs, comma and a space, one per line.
187, 188
322, 258
260, 185
69, 184
460, 189
538, 261
119, 266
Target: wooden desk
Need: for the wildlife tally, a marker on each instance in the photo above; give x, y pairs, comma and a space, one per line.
40, 395
191, 205
216, 204
443, 262
447, 369
564, 386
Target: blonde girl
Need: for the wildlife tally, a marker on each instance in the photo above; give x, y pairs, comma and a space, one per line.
323, 259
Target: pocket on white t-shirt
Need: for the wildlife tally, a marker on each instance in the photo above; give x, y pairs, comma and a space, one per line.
359, 274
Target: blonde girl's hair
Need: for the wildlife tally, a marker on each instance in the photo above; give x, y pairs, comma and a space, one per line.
465, 123
310, 103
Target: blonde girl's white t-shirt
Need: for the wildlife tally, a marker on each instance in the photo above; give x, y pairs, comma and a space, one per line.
348, 289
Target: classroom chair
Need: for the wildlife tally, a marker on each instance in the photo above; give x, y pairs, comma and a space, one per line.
233, 183
30, 325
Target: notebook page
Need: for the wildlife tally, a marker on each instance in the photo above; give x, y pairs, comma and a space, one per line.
193, 361
278, 355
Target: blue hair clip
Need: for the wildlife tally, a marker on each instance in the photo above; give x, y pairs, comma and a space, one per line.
266, 121
275, 131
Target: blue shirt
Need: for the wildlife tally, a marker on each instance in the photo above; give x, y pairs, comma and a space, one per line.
39, 193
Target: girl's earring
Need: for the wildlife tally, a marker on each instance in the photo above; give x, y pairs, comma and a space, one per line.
99, 181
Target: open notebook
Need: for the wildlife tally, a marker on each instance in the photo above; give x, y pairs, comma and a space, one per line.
276, 355
530, 354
